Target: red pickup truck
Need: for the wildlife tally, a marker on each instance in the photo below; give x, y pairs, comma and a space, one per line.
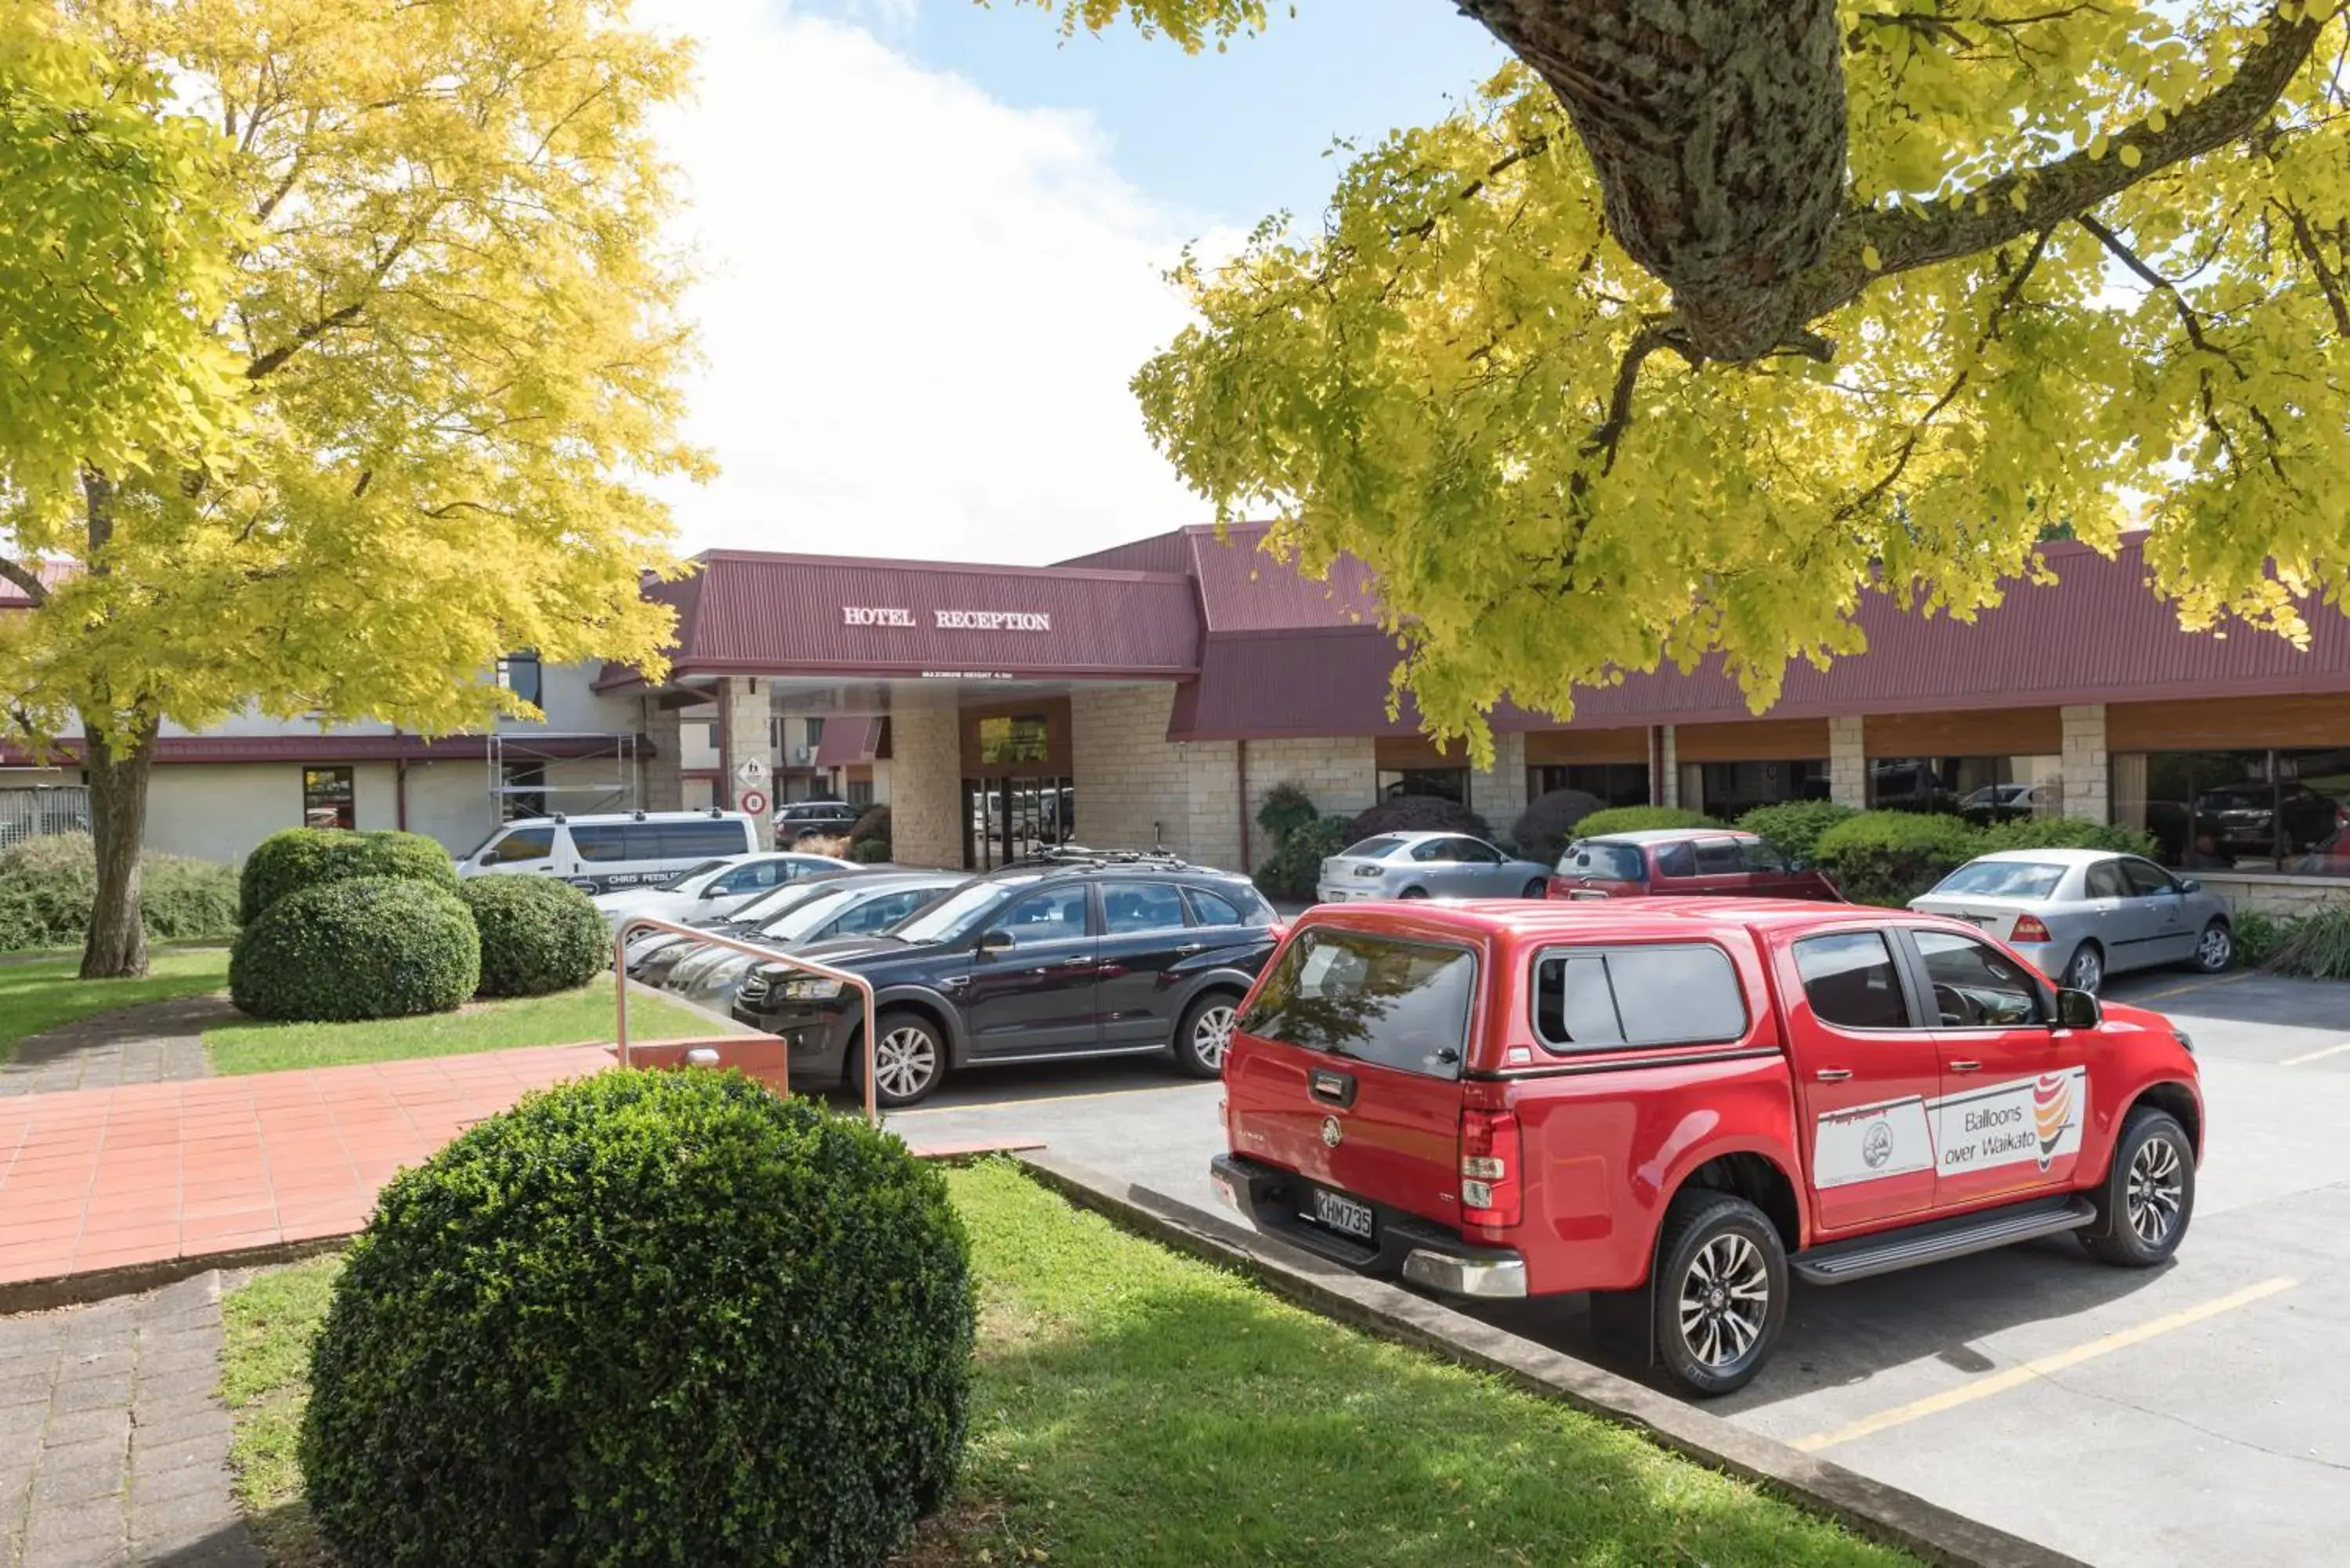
1678, 1103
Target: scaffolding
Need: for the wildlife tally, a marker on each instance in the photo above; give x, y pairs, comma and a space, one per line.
537, 749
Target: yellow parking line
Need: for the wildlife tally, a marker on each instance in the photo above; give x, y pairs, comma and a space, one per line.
2192, 985
1038, 1101
2017, 1376
2319, 1056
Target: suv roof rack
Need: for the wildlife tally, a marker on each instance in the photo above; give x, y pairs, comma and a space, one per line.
1078, 854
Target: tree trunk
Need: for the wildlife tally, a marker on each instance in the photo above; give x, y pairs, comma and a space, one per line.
1717, 130
117, 947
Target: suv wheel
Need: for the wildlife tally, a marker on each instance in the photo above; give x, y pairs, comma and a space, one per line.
1720, 1292
907, 1062
1205, 1032
2215, 950
2148, 1196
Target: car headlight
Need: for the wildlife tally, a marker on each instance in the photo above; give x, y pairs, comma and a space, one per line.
808, 988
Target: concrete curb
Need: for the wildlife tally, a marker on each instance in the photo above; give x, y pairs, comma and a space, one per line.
1870, 1508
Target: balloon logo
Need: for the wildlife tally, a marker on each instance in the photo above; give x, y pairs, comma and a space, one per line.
2052, 1111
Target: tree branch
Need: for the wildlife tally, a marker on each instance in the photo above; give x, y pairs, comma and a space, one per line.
304, 336
2329, 281
26, 579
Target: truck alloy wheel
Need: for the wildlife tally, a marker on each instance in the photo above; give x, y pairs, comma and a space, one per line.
2149, 1193
1720, 1292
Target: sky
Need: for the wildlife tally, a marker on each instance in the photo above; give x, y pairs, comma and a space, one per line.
931, 238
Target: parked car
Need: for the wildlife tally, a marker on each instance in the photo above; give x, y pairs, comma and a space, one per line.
1675, 862
799, 819
716, 888
861, 906
650, 955
2241, 819
1426, 866
2008, 803
2083, 914
600, 854
1060, 957
1679, 1106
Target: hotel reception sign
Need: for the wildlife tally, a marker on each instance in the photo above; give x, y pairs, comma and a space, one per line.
949, 619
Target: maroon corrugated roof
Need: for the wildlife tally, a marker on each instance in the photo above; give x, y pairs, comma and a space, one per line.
1169, 551
1242, 589
752, 613
847, 740
340, 748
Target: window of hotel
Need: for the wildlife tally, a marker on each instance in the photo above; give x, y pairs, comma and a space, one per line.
1021, 738
1983, 789
519, 673
1445, 784
1614, 784
860, 793
328, 798
1728, 791
2248, 810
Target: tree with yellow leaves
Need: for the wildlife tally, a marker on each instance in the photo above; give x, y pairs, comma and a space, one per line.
416, 369
1702, 318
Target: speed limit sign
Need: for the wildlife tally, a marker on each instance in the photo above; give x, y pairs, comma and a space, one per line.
752, 801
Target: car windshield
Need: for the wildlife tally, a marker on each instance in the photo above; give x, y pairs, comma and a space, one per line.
961, 914
2002, 879
1378, 849
767, 906
808, 914
1597, 858
700, 868
2235, 799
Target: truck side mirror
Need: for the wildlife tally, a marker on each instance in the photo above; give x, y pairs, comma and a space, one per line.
2079, 1009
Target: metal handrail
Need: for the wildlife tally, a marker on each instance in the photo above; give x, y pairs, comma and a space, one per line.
635, 923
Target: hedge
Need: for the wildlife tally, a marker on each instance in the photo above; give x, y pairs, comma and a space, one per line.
645, 1318
1639, 819
1296, 865
297, 857
1795, 826
373, 947
1891, 856
537, 935
1418, 814
1286, 808
1549, 821
48, 884
2067, 833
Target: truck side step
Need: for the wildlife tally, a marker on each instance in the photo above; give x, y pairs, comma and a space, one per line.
1839, 1261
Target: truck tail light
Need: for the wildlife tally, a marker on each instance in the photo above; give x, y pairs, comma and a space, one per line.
2028, 929
1557, 888
1492, 1191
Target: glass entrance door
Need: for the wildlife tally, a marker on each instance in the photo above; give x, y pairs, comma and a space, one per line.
1008, 819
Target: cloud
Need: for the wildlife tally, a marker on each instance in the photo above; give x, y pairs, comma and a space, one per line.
920, 307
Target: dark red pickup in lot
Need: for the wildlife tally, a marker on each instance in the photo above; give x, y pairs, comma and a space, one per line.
1680, 1103
1683, 862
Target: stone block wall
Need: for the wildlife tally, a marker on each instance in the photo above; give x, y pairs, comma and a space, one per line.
926, 782
2087, 792
1132, 789
1848, 763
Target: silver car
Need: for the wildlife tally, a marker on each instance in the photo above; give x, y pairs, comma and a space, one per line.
1428, 865
2082, 914
853, 908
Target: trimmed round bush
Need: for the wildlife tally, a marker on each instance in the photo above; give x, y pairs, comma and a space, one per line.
645, 1318
1795, 826
297, 857
1891, 856
537, 934
375, 947
2066, 832
1418, 814
874, 823
1549, 821
1296, 864
1639, 819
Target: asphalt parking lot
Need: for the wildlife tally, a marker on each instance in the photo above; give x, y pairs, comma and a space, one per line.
2195, 1414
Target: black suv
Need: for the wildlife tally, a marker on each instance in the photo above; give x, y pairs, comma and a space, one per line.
1081, 954
799, 819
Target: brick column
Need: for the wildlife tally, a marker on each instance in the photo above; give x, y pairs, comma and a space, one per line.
1848, 763
1666, 788
744, 731
661, 787
926, 778
1499, 795
1212, 788
2087, 792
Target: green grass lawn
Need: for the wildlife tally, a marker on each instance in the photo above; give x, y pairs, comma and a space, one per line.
1134, 1406
566, 1018
45, 992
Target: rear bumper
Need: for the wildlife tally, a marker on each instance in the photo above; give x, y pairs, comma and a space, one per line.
1408, 1247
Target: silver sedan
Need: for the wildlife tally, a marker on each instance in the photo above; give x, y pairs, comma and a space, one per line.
2083, 914
1428, 865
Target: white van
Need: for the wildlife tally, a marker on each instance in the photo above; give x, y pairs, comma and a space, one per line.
627, 849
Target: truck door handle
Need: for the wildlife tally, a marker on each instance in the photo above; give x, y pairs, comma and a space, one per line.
1832, 1074
1965, 1067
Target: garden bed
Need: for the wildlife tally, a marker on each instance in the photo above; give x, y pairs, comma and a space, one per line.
1137, 1407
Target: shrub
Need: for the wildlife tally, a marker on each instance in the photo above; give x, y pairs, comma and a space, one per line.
1795, 826
1296, 865
1890, 857
869, 851
1417, 814
48, 885
537, 935
1549, 820
645, 1317
1639, 819
874, 823
374, 948
2315, 944
2258, 937
2066, 832
1287, 809
297, 857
